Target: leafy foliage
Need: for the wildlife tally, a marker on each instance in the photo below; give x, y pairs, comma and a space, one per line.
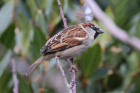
90, 60
10, 37
108, 66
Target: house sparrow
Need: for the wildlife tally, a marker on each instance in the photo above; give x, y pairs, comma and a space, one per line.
68, 43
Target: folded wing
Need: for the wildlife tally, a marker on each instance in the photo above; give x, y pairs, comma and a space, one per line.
69, 37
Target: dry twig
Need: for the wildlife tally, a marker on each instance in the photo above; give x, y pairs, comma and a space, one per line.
73, 71
63, 74
62, 14
15, 89
73, 84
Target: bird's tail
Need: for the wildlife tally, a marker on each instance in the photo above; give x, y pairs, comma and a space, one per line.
38, 61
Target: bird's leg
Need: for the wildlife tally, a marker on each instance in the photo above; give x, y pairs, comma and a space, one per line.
72, 66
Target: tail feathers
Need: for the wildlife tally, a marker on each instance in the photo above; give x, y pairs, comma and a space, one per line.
35, 64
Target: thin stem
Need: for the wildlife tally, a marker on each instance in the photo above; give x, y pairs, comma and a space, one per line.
73, 71
62, 14
63, 74
15, 89
73, 84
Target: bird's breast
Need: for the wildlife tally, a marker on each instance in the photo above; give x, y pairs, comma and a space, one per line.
71, 52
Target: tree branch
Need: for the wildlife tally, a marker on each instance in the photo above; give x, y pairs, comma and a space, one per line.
112, 27
63, 74
62, 15
73, 84
15, 89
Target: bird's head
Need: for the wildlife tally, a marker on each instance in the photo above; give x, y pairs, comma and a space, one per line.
92, 28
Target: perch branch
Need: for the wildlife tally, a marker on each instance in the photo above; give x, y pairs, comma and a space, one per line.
112, 27
73, 84
15, 89
73, 71
62, 15
63, 74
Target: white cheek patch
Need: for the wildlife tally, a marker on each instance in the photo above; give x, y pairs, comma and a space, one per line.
79, 38
92, 34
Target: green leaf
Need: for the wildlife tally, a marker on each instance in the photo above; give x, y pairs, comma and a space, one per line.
5, 15
99, 73
136, 88
70, 14
114, 81
90, 60
39, 40
32, 7
48, 8
4, 82
65, 7
26, 32
21, 8
43, 4
5, 61
42, 23
7, 38
23, 86
132, 61
109, 12
135, 26
34, 86
49, 91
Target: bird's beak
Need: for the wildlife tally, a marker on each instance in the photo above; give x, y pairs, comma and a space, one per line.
100, 31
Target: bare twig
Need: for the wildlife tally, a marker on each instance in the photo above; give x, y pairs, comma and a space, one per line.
15, 89
63, 74
73, 71
62, 15
111, 26
73, 84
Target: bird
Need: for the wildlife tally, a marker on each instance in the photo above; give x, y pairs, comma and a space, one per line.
68, 43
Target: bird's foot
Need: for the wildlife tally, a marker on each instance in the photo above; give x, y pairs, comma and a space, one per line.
73, 67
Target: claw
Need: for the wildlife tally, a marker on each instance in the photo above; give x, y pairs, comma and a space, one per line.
73, 68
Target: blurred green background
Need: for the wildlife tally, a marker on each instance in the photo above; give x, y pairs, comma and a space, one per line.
108, 66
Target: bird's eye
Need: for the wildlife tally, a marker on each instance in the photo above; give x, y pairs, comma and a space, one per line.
93, 27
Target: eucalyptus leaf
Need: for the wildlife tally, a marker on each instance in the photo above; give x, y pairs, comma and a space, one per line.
109, 12
26, 33
70, 14
21, 8
48, 8
5, 61
6, 15
135, 26
7, 38
39, 40
34, 86
42, 23
23, 86
114, 81
132, 61
4, 82
99, 73
32, 7
90, 60
136, 88
43, 4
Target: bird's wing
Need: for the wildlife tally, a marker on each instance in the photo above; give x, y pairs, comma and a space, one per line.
69, 37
